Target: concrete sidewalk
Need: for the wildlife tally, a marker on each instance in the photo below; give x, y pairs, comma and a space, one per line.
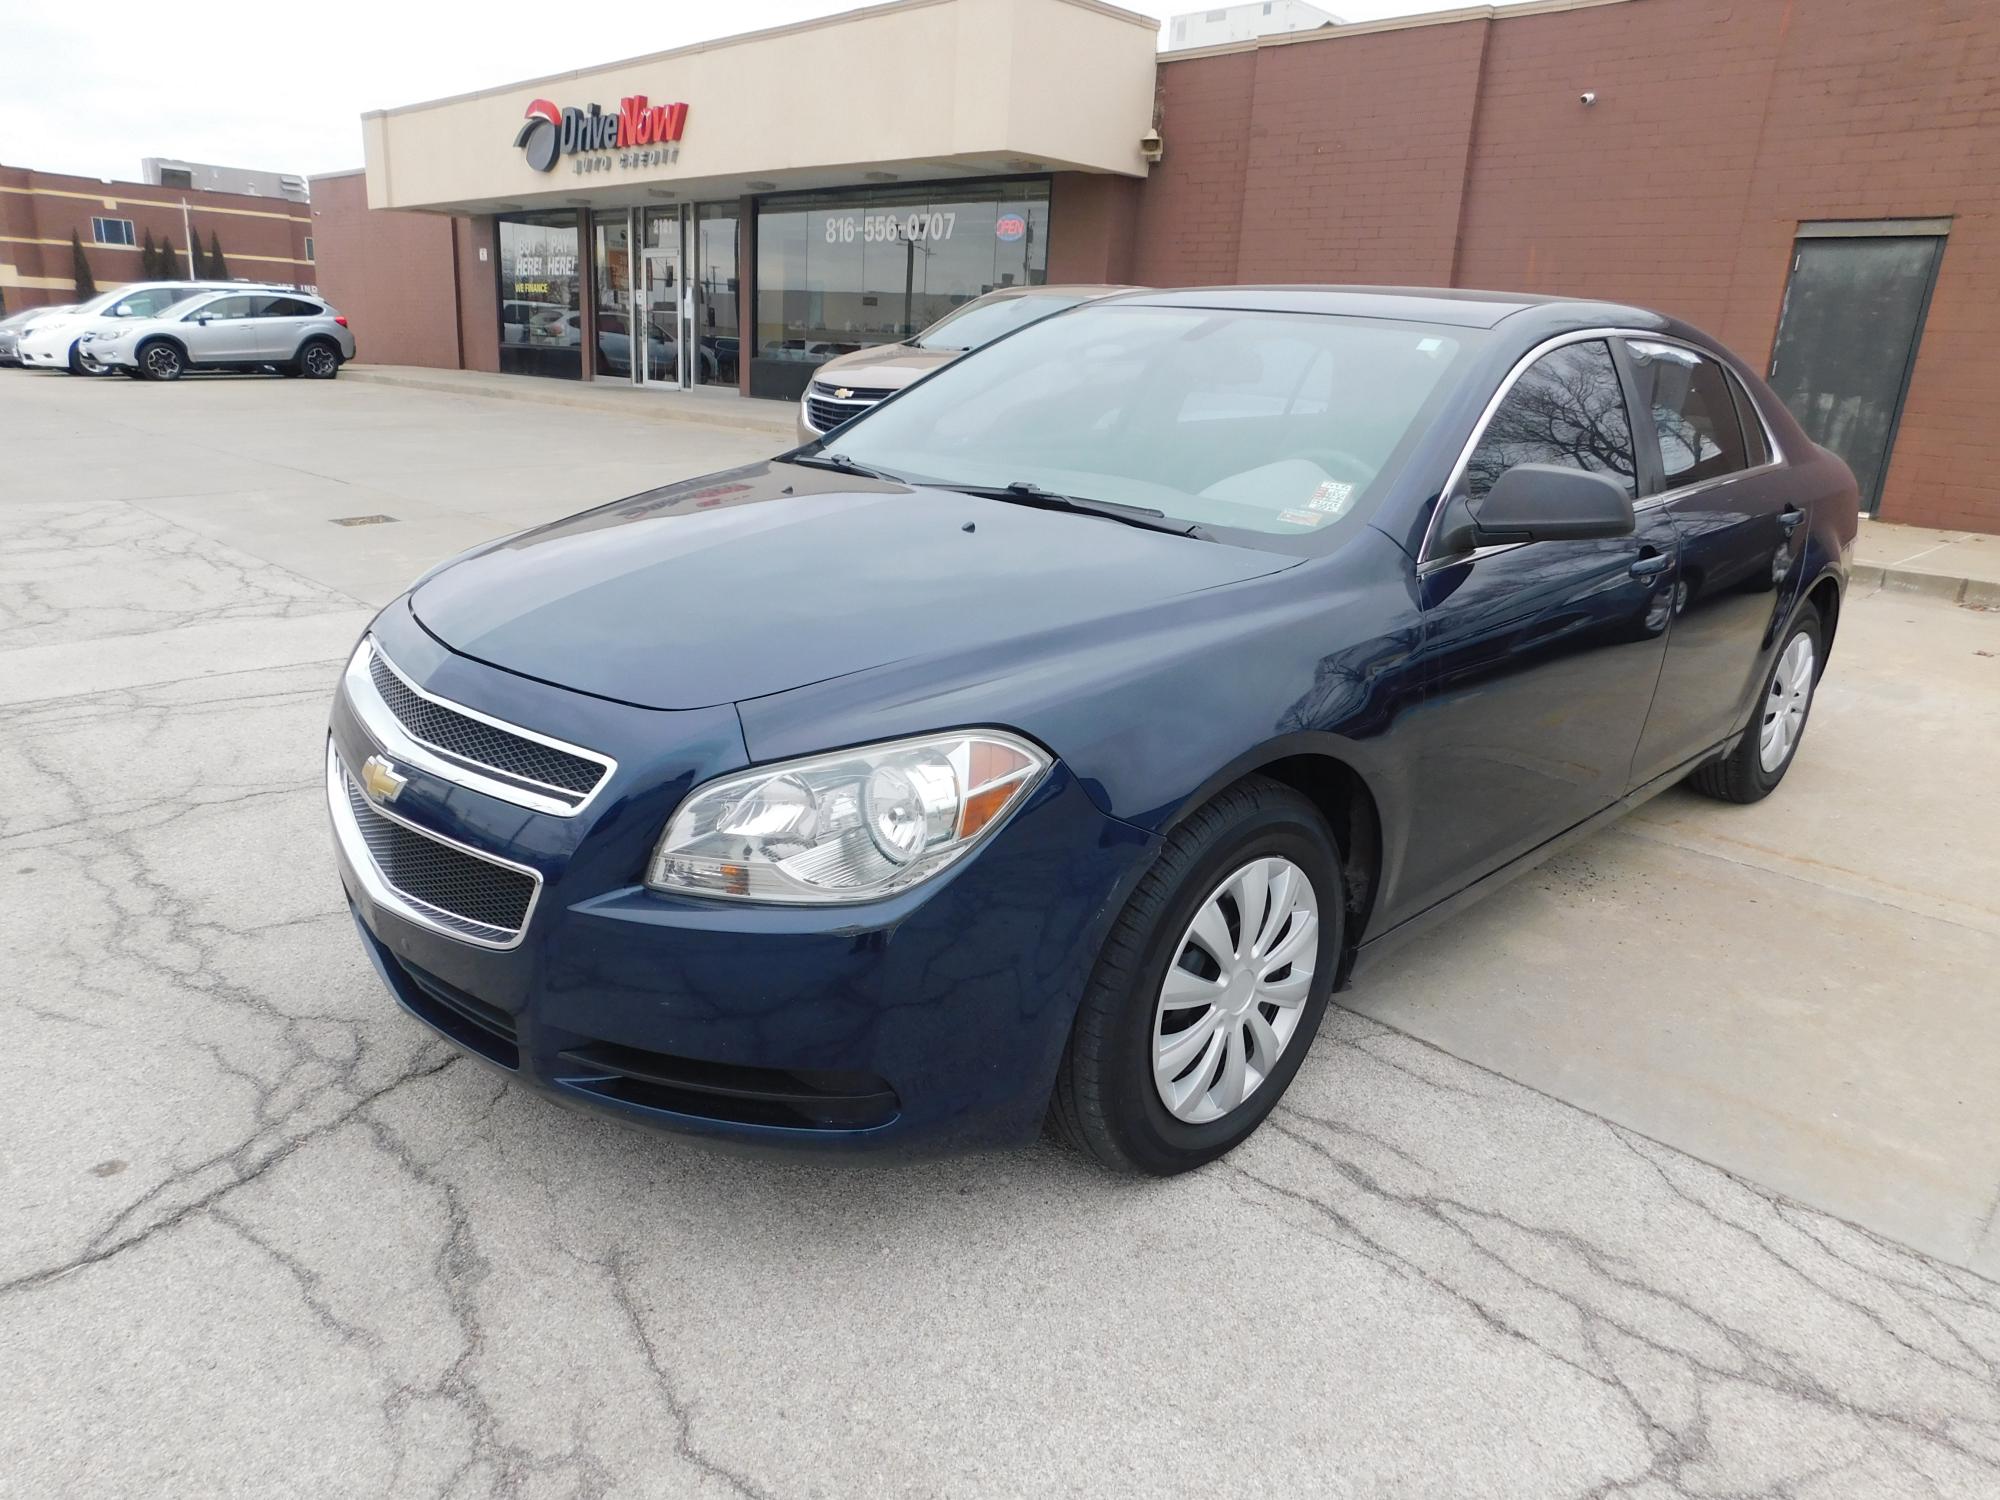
1960, 566
713, 406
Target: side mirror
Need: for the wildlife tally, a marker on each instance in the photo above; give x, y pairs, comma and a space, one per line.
203, 319
1550, 503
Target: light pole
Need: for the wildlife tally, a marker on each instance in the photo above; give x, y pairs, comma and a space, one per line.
187, 233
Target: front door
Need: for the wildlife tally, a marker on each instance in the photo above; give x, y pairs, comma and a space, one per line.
222, 332
1847, 341
1540, 657
656, 336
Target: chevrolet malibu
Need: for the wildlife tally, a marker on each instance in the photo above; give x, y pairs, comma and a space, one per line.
1054, 745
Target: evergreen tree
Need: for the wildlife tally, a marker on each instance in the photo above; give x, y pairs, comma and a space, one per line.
86, 284
149, 260
218, 268
170, 261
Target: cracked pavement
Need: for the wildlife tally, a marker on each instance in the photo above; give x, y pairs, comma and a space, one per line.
264, 1234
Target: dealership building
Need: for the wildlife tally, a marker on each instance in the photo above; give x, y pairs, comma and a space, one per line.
1818, 184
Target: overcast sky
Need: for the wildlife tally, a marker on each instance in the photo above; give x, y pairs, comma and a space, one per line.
262, 85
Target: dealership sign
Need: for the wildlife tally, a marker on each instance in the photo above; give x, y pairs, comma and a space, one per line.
641, 135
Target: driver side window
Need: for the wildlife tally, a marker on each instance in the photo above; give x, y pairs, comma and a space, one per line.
1567, 408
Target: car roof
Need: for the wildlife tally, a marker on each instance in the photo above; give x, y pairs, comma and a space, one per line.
1447, 305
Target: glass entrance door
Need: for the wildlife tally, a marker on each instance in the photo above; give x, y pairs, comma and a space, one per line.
661, 294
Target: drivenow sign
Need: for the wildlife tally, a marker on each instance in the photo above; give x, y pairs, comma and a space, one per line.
640, 134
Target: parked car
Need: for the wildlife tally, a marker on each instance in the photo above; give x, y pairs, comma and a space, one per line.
286, 331
56, 343
15, 324
849, 384
1059, 741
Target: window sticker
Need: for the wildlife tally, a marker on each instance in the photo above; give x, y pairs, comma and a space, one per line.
1334, 497
1303, 517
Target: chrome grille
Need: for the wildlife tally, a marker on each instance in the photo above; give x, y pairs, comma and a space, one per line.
450, 887
825, 411
523, 767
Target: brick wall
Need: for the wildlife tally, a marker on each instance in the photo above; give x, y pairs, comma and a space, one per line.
390, 273
1458, 153
262, 238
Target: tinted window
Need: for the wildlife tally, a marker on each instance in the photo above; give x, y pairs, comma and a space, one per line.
1274, 424
225, 307
1693, 413
1756, 443
982, 322
1567, 408
288, 307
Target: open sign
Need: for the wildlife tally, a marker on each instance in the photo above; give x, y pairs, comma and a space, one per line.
1010, 227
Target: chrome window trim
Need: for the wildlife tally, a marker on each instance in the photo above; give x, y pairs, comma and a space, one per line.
1427, 560
354, 846
389, 732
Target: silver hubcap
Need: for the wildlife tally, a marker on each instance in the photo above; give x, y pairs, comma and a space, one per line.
1785, 706
162, 361
1232, 999
319, 359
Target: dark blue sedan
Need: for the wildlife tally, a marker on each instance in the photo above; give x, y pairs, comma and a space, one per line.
1050, 742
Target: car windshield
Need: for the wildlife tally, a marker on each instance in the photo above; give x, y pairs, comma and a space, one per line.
982, 322
1286, 426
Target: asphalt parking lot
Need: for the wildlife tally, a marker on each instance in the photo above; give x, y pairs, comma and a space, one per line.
1670, 1171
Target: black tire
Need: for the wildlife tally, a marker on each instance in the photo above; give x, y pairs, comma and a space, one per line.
76, 358
162, 360
1105, 1101
319, 359
1740, 776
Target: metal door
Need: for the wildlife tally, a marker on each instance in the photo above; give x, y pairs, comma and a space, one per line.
657, 327
1847, 341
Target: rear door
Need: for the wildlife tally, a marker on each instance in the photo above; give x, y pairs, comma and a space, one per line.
1542, 657
279, 324
1741, 545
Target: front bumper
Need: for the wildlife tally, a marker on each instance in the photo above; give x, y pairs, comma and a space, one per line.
933, 1019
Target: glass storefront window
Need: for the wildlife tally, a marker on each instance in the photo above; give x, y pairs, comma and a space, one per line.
843, 270
718, 329
612, 232
541, 317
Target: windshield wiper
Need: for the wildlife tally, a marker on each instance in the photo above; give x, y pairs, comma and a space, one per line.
841, 463
1025, 492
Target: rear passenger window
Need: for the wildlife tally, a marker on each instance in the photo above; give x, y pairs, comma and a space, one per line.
288, 307
1567, 408
1693, 412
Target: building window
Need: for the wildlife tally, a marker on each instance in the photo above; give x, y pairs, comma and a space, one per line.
541, 317
840, 271
176, 177
112, 231
309, 248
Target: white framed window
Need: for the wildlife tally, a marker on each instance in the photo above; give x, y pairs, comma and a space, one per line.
113, 232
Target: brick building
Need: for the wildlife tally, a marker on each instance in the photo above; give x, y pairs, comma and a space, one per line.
267, 239
1817, 182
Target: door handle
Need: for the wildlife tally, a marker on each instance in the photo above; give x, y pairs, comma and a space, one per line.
1790, 517
1652, 566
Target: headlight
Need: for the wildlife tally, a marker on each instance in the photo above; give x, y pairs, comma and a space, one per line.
850, 826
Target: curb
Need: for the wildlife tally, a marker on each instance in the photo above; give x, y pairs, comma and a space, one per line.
1975, 593
586, 400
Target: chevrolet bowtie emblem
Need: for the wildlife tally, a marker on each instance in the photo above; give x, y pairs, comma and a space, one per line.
381, 780
843, 394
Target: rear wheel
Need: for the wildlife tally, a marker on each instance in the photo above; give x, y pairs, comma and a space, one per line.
1210, 988
1752, 771
319, 360
162, 361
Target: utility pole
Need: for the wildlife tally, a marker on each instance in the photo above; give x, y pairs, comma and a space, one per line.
187, 233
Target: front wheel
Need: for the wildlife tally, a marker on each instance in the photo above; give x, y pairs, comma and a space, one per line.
1752, 771
162, 362
1210, 988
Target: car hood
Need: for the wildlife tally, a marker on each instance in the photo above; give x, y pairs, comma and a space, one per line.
772, 577
887, 368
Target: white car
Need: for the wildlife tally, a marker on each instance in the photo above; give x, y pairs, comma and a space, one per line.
16, 324
56, 342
